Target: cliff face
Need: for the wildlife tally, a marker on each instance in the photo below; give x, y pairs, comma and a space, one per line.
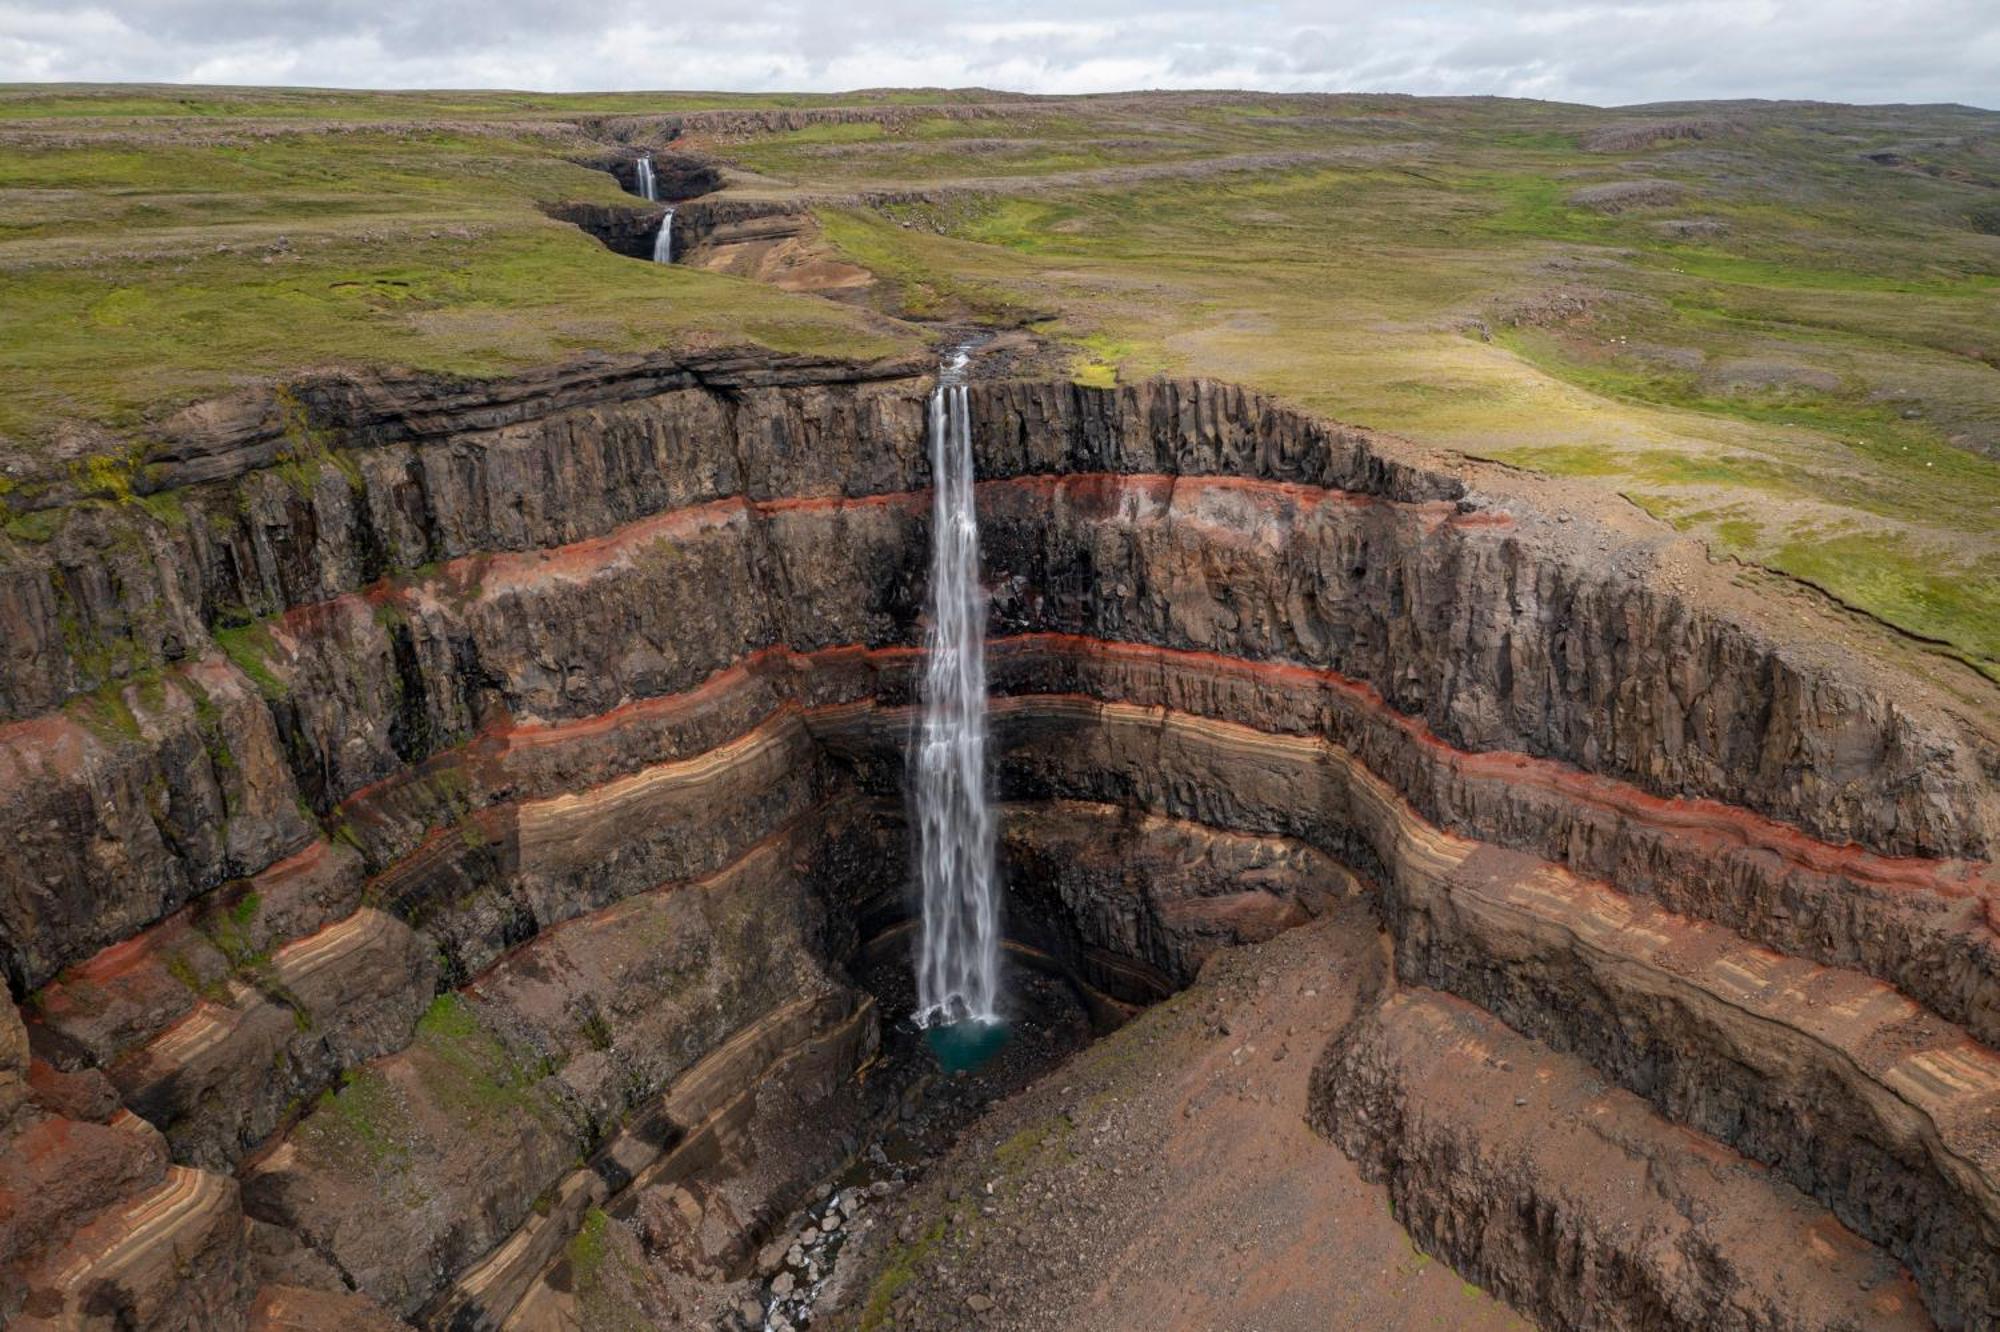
418, 786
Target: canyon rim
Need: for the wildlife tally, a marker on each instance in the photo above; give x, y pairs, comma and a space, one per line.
937, 709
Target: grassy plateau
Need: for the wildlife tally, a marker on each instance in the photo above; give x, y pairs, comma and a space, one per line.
1774, 326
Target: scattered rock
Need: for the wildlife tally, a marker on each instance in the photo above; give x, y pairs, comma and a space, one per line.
1619, 196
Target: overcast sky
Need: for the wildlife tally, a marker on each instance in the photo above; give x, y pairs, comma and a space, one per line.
1615, 52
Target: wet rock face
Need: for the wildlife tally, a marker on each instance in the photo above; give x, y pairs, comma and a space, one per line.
629, 230
676, 175
1108, 888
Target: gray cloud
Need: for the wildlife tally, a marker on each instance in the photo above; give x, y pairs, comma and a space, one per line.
1602, 51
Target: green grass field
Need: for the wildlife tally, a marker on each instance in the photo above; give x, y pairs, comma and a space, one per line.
1789, 349
1776, 327
142, 268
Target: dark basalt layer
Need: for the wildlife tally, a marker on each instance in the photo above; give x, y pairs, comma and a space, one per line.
676, 176
1848, 1092
630, 230
364, 685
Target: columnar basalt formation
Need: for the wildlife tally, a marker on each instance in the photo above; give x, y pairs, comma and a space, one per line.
459, 794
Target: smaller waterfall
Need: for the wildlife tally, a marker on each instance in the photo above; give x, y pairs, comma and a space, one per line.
649, 184
663, 244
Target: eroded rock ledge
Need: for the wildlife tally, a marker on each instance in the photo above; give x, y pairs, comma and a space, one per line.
581, 702
1627, 1223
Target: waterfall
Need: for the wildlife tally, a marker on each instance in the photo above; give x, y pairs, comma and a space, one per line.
649, 184
958, 965
663, 243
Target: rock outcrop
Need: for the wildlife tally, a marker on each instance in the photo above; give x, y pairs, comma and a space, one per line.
1616, 1220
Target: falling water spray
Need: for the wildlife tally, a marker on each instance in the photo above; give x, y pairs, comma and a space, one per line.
958, 962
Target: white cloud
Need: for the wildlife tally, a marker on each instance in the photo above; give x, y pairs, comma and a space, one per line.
1602, 51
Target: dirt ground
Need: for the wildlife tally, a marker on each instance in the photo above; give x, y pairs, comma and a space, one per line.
1165, 1178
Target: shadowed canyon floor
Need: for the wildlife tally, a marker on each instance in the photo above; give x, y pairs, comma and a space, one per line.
1168, 1178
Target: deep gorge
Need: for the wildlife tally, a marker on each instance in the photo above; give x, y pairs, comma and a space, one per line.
468, 795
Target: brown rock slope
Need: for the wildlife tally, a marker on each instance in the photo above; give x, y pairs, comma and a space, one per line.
436, 804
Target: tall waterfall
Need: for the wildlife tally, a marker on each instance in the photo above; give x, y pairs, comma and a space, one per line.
649, 184
663, 243
958, 965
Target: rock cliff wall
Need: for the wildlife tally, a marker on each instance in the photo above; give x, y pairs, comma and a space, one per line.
410, 775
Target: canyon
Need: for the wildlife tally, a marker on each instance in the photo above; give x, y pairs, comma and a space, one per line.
468, 832
460, 814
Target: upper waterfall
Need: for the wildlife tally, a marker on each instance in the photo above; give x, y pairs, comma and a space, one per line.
958, 963
649, 183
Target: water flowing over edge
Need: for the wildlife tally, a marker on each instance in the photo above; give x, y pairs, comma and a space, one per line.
663, 242
649, 183
958, 960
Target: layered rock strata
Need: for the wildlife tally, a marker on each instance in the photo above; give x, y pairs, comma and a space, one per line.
423, 788
1617, 1219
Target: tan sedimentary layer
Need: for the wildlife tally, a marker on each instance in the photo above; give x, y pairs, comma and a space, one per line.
1850, 1091
1183, 765
658, 638
559, 1042
168, 1260
1365, 588
1931, 1100
219, 1080
1899, 1104
365, 686
1922, 923
437, 471
662, 1145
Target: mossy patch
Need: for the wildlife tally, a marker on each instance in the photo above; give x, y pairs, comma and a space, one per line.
586, 1249
230, 931
251, 648
361, 1120
898, 1272
467, 1072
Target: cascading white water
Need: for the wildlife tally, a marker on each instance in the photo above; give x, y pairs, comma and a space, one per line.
663, 243
649, 184
958, 962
